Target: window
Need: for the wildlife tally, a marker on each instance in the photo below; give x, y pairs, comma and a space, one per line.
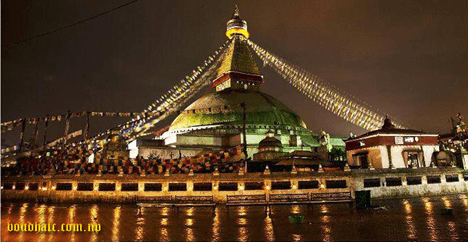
20, 186
374, 182
106, 187
33, 186
129, 187
153, 187
8, 186
228, 186
281, 185
416, 180
451, 178
393, 181
177, 187
202, 186
85, 186
308, 184
253, 186
63, 187
336, 184
433, 179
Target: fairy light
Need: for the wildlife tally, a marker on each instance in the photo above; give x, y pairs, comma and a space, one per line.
325, 94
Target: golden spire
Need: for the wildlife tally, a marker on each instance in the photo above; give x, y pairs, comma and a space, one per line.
236, 25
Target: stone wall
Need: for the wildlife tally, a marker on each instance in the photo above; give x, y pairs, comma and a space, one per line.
384, 184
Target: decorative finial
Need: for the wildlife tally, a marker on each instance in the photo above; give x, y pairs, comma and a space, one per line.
236, 26
236, 12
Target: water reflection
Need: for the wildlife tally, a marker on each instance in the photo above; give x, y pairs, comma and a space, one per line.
297, 237
40, 218
22, 219
116, 223
243, 231
431, 224
409, 220
71, 220
189, 234
269, 229
50, 219
325, 224
296, 209
164, 232
94, 218
450, 224
140, 225
215, 226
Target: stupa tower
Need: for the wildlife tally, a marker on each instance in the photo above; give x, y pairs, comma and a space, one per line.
238, 69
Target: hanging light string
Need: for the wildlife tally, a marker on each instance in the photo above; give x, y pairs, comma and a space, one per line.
323, 93
173, 105
164, 106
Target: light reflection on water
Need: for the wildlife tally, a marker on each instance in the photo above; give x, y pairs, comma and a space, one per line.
409, 220
269, 229
22, 219
164, 232
50, 219
215, 226
40, 218
404, 219
94, 218
71, 220
116, 223
450, 224
325, 223
140, 225
431, 223
242, 223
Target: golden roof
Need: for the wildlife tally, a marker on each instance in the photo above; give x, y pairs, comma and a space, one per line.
238, 58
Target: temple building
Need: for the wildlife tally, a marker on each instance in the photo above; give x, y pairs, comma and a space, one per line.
216, 120
391, 147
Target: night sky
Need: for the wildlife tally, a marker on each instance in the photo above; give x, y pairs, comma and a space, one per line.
407, 58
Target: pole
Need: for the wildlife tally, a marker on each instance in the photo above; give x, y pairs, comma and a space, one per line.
67, 127
46, 123
36, 129
23, 128
87, 126
244, 141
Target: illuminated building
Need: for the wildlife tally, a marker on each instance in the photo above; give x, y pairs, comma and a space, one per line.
215, 120
391, 147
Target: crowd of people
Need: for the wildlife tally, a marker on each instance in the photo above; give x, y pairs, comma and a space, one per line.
77, 161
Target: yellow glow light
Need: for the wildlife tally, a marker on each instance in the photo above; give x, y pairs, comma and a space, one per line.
241, 31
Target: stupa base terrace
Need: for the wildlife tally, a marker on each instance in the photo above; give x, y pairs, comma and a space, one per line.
215, 188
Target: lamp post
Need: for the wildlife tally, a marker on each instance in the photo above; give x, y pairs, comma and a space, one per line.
244, 141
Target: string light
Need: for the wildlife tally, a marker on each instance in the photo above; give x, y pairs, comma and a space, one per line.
323, 93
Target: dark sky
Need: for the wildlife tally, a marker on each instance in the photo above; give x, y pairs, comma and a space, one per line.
408, 58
